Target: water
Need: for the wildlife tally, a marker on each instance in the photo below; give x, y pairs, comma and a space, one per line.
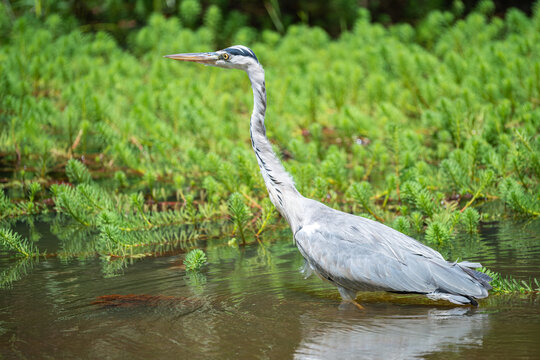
253, 303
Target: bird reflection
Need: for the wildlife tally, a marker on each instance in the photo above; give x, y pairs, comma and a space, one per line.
393, 337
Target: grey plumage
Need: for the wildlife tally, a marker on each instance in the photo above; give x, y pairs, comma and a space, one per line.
352, 252
358, 254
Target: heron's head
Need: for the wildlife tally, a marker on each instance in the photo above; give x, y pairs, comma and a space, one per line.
234, 57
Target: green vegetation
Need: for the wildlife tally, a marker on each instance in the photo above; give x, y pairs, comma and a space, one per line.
239, 213
508, 284
195, 260
15, 243
224, 20
430, 129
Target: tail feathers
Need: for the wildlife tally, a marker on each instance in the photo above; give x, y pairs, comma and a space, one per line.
477, 275
453, 298
482, 280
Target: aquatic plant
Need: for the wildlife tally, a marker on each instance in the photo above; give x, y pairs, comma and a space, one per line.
362, 193
402, 224
518, 199
437, 233
240, 214
77, 173
267, 216
11, 241
470, 218
195, 260
508, 284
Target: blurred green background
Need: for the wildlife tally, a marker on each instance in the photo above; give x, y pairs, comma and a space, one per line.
334, 16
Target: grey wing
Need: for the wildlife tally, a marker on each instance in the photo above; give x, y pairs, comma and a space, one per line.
357, 259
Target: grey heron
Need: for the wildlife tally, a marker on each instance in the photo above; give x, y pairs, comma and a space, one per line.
352, 252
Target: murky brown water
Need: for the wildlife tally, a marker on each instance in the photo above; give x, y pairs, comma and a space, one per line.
253, 303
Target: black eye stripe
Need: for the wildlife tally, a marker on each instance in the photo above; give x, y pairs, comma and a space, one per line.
244, 51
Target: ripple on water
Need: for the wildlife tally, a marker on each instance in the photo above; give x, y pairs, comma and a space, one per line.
254, 303
384, 337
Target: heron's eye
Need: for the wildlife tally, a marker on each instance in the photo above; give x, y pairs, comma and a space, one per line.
225, 56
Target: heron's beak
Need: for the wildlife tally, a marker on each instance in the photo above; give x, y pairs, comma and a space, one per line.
208, 58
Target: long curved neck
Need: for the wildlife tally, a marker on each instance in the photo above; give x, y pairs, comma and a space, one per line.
279, 183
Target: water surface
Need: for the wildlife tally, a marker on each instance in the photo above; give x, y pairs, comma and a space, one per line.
254, 303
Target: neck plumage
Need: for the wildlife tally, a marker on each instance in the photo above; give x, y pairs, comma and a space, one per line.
279, 183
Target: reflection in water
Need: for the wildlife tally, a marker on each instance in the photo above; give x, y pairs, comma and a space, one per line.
252, 303
388, 337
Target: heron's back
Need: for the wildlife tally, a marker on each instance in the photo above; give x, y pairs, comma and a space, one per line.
359, 254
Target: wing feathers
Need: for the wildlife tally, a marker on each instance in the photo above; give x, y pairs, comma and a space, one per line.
386, 260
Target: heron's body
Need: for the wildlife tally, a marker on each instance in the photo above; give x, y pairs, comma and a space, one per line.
352, 252
358, 254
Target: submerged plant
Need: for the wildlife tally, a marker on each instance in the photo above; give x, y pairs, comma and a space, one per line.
16, 271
